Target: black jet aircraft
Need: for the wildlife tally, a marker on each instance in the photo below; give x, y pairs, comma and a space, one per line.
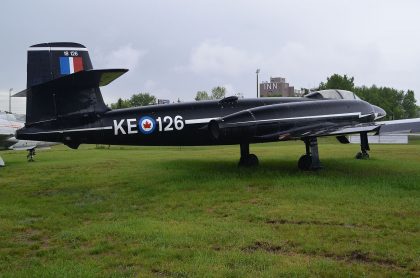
64, 104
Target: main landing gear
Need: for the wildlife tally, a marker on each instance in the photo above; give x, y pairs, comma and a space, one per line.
364, 146
310, 160
31, 154
247, 159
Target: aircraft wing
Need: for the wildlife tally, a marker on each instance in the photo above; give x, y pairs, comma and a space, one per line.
4, 137
314, 131
7, 140
410, 127
24, 145
326, 128
27, 148
406, 126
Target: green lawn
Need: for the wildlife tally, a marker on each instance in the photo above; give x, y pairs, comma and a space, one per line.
190, 212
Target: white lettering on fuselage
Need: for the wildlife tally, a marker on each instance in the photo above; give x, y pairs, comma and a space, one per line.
147, 125
118, 127
131, 124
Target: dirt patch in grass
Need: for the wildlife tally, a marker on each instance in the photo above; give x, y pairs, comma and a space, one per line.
290, 248
311, 222
285, 248
379, 227
363, 257
166, 273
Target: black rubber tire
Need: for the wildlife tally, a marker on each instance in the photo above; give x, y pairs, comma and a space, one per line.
305, 162
361, 155
249, 161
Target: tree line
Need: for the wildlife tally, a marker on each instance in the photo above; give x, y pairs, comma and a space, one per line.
398, 104
218, 92
143, 99
140, 99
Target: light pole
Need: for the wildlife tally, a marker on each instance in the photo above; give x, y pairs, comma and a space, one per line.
10, 100
257, 72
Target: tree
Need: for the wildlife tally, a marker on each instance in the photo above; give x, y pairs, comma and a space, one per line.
202, 95
409, 105
337, 81
218, 92
142, 99
121, 103
389, 99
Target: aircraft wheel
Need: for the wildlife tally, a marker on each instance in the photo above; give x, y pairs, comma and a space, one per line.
31, 154
305, 162
250, 160
361, 155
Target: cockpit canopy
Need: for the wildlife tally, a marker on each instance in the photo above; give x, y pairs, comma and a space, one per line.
332, 94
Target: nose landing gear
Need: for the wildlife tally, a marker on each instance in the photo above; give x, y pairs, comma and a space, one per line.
310, 160
364, 146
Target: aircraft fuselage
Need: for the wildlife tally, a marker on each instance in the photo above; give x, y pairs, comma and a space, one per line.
189, 124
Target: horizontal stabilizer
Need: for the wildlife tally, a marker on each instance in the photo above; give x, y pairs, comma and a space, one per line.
79, 80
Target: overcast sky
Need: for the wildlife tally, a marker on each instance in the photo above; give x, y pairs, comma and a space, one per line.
175, 48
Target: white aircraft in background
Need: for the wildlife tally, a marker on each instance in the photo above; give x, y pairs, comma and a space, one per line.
9, 123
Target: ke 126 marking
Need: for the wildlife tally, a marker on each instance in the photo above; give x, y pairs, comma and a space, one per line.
147, 125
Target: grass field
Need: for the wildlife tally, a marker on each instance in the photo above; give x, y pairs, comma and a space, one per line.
190, 212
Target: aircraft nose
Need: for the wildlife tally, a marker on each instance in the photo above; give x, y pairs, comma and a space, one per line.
379, 112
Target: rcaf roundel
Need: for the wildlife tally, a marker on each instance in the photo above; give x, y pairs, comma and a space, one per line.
147, 125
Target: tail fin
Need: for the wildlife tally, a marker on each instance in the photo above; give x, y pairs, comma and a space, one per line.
61, 83
48, 61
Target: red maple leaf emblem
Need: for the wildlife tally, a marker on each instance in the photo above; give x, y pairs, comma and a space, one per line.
147, 125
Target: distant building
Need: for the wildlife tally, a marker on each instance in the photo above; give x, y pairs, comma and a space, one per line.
277, 87
163, 101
